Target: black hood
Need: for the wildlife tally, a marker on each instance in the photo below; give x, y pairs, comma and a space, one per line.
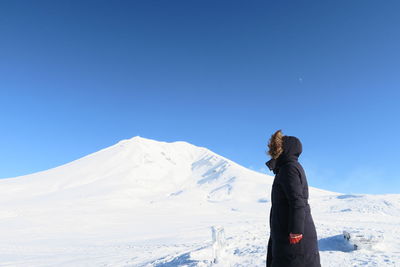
292, 149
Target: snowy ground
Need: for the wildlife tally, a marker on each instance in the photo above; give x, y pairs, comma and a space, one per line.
147, 203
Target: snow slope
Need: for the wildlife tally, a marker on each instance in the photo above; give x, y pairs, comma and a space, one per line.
148, 203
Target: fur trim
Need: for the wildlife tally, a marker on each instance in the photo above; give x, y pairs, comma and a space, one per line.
275, 144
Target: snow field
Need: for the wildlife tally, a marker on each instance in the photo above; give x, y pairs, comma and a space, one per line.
148, 203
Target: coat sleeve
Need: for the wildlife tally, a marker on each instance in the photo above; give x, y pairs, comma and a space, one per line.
293, 189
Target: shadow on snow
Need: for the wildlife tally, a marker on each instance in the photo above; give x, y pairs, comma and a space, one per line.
334, 243
181, 260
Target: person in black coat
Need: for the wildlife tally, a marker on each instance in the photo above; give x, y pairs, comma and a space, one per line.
293, 238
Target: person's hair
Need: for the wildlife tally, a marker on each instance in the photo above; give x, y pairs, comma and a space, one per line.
275, 144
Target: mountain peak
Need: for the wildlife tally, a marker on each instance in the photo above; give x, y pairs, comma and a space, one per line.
137, 139
147, 143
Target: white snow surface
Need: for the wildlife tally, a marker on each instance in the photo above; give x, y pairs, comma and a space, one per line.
146, 203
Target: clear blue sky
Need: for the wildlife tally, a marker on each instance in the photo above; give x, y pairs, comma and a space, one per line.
78, 76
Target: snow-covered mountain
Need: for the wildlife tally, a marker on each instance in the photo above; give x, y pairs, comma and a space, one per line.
147, 203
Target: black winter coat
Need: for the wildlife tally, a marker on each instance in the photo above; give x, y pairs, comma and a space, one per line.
290, 212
